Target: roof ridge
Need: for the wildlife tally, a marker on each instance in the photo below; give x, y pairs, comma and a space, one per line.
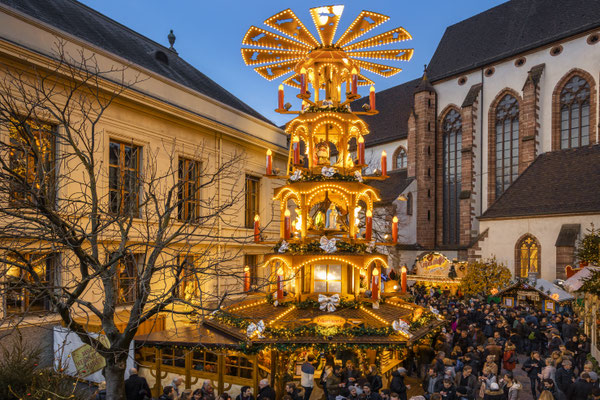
107, 18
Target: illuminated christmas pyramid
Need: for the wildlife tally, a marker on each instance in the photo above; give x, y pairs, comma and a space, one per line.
326, 290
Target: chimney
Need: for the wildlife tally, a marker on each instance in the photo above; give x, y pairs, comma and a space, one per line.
532, 277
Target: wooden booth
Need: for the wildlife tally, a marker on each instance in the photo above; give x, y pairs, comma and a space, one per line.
535, 293
435, 270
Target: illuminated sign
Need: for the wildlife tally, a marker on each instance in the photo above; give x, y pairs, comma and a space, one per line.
329, 320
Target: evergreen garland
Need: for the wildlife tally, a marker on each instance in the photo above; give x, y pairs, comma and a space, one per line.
315, 248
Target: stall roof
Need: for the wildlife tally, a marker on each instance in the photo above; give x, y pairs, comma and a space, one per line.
543, 287
188, 335
576, 281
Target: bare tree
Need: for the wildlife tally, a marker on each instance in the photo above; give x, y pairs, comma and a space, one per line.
133, 231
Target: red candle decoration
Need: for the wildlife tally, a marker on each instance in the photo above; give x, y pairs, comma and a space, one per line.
280, 284
383, 163
372, 98
369, 225
280, 98
269, 162
354, 81
361, 150
395, 229
303, 82
375, 285
403, 283
246, 278
296, 149
256, 228
286, 225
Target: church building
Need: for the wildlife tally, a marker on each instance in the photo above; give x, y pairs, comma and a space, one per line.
494, 151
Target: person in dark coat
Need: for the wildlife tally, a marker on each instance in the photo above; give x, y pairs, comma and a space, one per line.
581, 389
550, 386
397, 385
564, 376
374, 379
370, 394
466, 383
292, 391
168, 393
533, 366
136, 387
265, 392
448, 391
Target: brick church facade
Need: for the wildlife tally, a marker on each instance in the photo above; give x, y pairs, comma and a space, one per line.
494, 150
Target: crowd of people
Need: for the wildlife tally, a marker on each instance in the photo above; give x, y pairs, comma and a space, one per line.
478, 355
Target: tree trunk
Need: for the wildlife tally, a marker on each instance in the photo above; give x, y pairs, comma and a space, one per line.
114, 373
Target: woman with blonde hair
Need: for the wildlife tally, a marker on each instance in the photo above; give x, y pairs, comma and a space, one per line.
546, 395
549, 371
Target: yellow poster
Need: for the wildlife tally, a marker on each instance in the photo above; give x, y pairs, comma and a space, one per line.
87, 360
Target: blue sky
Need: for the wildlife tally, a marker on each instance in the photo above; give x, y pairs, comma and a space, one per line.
209, 34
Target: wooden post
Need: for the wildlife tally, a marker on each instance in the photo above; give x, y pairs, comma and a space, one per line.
221, 373
274, 362
255, 375
188, 372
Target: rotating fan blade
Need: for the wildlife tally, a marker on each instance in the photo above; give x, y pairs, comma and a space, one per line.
379, 69
365, 21
395, 55
293, 81
287, 23
273, 71
393, 36
267, 56
262, 38
326, 20
364, 81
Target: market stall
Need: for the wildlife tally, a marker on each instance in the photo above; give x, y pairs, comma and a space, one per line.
535, 293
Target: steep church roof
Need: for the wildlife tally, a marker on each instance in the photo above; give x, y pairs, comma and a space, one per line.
394, 105
391, 188
557, 182
85, 23
509, 29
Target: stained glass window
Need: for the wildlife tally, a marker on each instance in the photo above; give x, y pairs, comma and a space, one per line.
528, 256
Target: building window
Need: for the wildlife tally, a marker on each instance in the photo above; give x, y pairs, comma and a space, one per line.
28, 291
126, 278
528, 256
575, 113
409, 204
452, 144
32, 157
251, 261
252, 199
328, 278
400, 158
188, 280
124, 178
189, 190
507, 143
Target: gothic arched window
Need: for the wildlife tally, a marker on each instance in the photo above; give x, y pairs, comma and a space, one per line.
409, 204
575, 113
400, 158
452, 144
507, 143
528, 256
